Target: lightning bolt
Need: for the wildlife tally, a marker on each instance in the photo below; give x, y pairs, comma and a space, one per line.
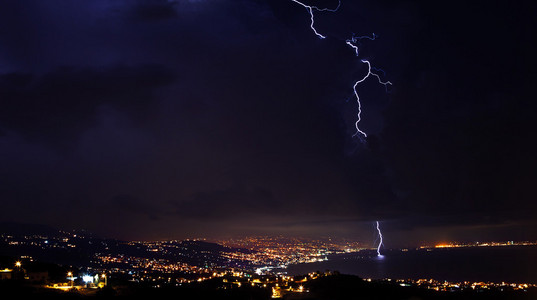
312, 18
369, 73
353, 42
380, 242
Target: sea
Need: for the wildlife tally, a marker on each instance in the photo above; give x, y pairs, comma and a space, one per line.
512, 264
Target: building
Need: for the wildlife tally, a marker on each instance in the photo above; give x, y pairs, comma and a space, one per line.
6, 274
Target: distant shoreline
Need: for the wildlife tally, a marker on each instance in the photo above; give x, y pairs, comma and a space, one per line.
493, 263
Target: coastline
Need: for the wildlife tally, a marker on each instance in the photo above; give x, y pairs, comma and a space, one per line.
452, 264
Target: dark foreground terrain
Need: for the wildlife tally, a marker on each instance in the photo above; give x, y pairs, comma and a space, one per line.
330, 287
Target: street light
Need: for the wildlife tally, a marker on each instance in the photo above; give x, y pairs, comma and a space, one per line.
70, 277
18, 264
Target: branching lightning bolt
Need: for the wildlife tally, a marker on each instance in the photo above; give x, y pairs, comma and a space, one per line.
369, 73
380, 242
353, 42
312, 18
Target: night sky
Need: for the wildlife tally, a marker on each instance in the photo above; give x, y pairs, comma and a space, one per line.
211, 118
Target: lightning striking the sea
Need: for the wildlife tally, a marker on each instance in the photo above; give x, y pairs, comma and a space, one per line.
353, 42
380, 242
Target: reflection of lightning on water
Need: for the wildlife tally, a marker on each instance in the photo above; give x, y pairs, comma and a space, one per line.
380, 242
353, 42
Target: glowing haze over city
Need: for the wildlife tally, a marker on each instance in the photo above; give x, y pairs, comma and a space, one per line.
405, 123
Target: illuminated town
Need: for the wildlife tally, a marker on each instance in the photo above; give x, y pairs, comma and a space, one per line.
278, 252
485, 244
254, 262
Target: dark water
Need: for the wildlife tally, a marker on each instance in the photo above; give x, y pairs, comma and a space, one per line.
510, 264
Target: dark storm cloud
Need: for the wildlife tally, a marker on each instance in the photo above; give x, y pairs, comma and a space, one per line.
201, 117
64, 102
154, 11
131, 204
459, 137
229, 204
